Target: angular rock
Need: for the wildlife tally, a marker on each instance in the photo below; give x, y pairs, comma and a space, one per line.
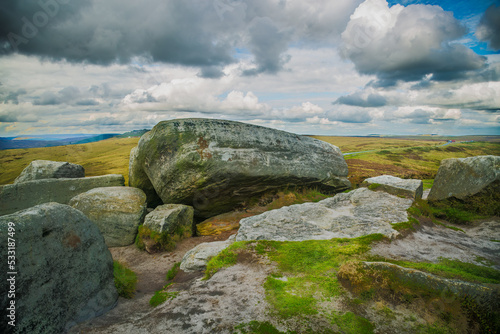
461, 178
165, 226
169, 217
45, 169
214, 165
197, 258
64, 269
19, 196
117, 212
396, 186
347, 215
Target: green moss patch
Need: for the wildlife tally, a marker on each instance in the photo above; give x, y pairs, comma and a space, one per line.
227, 258
173, 271
162, 296
257, 327
125, 280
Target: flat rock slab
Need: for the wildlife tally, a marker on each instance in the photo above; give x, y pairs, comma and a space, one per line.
197, 258
46, 169
461, 178
429, 244
117, 212
348, 215
214, 165
396, 186
64, 269
19, 196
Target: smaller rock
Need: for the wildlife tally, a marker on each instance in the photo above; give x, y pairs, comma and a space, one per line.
197, 258
45, 169
395, 186
117, 211
165, 226
169, 217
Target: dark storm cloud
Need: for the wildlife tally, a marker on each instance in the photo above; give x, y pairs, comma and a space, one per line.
66, 95
489, 27
211, 72
103, 32
356, 99
386, 42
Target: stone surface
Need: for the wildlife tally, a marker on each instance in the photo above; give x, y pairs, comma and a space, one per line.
19, 196
396, 186
168, 217
347, 215
197, 258
64, 269
117, 212
214, 165
45, 169
137, 178
464, 177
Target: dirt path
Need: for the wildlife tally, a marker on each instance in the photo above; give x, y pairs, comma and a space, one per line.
151, 270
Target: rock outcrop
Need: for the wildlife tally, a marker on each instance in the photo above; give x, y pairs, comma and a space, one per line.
197, 258
45, 169
117, 212
347, 215
461, 178
214, 165
23, 195
394, 185
64, 269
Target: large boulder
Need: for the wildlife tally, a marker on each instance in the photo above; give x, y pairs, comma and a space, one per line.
395, 185
461, 178
117, 212
45, 169
62, 274
214, 165
348, 215
23, 195
165, 226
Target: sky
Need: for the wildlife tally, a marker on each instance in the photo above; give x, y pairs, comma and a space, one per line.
343, 67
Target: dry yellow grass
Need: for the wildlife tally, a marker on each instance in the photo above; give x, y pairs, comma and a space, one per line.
109, 156
357, 144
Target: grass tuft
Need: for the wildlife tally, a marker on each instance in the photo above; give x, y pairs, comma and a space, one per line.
162, 296
173, 271
125, 280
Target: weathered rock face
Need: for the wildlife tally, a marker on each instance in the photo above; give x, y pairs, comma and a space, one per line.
139, 179
396, 186
465, 177
19, 196
169, 217
347, 215
117, 212
197, 258
45, 169
214, 164
64, 269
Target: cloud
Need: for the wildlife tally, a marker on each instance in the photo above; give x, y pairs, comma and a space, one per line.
362, 100
350, 115
489, 27
13, 96
407, 43
67, 95
267, 44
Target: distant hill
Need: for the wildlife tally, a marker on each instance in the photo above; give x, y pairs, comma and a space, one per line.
50, 140
133, 133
